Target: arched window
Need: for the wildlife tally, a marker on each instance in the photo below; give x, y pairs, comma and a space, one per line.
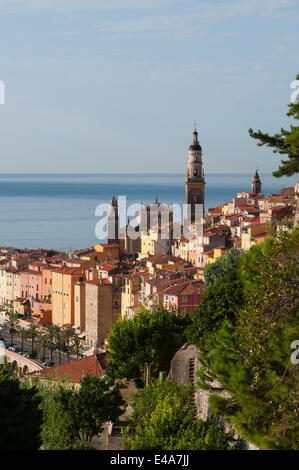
195, 173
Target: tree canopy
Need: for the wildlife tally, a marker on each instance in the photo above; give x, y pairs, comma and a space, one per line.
164, 420
222, 298
72, 415
20, 417
147, 340
250, 356
285, 142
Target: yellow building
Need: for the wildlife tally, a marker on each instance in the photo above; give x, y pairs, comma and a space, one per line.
225, 208
79, 294
87, 258
255, 234
101, 311
131, 286
215, 254
106, 252
63, 297
152, 244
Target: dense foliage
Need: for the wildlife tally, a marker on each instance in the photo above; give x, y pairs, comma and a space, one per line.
286, 142
250, 354
222, 298
164, 420
146, 341
78, 414
20, 416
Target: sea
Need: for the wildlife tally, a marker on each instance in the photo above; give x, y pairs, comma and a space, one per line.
57, 211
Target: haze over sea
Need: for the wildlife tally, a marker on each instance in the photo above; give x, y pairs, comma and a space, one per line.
58, 210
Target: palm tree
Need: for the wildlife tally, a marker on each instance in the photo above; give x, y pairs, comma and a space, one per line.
33, 334
58, 340
11, 324
23, 334
77, 344
50, 333
67, 335
43, 343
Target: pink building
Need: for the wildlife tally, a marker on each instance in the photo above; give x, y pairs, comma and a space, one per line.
184, 297
31, 284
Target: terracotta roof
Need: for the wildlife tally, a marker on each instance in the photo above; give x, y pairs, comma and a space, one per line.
98, 282
109, 245
74, 371
107, 267
31, 271
187, 288
63, 270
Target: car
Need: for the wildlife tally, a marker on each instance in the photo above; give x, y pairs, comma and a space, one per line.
15, 349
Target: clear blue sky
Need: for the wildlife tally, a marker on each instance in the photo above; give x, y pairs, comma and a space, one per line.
116, 85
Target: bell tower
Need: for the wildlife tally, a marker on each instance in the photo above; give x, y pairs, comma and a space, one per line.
256, 183
195, 183
113, 222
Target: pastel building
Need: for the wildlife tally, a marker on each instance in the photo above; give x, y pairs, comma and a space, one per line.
183, 297
63, 294
100, 311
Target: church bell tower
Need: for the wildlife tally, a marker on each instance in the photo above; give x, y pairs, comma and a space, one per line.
195, 183
256, 184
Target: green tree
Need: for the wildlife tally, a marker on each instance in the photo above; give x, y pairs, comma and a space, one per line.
164, 420
20, 417
11, 325
67, 338
33, 333
42, 344
57, 335
251, 358
56, 432
222, 299
146, 341
97, 401
77, 345
23, 334
285, 142
226, 265
50, 335
72, 415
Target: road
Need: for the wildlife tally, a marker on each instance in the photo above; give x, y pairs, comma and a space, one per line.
27, 345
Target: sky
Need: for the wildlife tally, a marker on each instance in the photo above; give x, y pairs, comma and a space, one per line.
98, 86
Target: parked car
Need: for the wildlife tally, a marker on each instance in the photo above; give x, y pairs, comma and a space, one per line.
15, 349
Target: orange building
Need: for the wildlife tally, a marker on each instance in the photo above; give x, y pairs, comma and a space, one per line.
63, 294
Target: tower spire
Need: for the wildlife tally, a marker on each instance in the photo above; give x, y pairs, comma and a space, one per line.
256, 183
194, 178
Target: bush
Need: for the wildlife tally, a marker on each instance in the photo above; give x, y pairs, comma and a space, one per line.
32, 353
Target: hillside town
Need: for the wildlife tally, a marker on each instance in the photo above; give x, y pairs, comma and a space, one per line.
89, 289
91, 320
